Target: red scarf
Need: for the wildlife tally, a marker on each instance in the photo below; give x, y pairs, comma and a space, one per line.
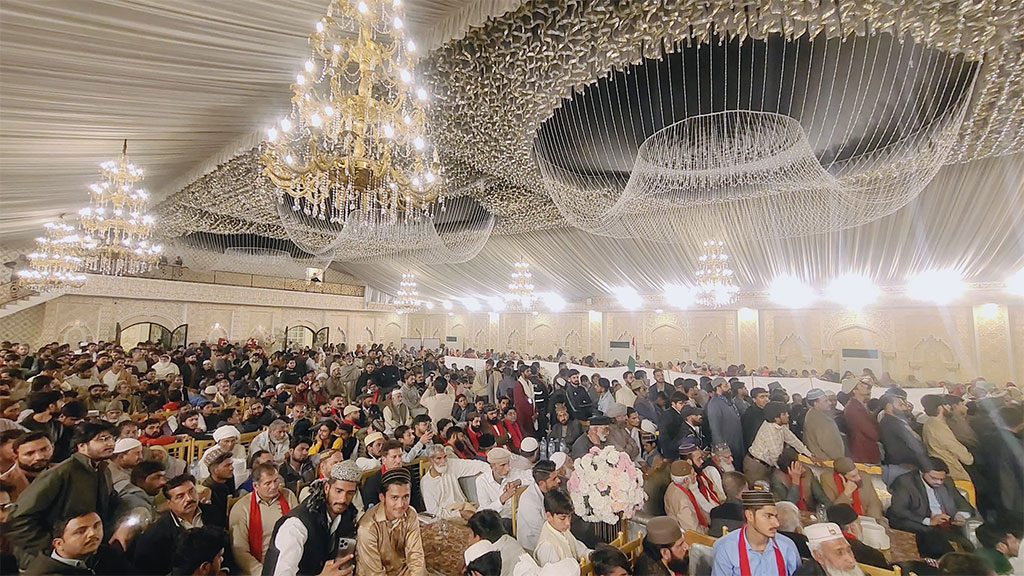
840, 484
707, 488
693, 501
256, 524
745, 562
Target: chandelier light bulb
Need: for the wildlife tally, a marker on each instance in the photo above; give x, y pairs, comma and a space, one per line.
309, 66
405, 76
316, 120
289, 159
320, 26
421, 94
418, 143
328, 111
397, 23
272, 134
388, 131
410, 45
286, 124
362, 7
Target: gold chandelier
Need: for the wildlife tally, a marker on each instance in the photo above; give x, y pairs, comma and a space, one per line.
407, 300
56, 261
116, 226
354, 145
716, 285
520, 290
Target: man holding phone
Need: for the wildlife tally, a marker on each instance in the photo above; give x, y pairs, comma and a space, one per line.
316, 536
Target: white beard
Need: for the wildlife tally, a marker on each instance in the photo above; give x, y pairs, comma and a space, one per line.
726, 467
855, 571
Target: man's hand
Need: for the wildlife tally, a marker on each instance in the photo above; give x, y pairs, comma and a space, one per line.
508, 491
466, 514
339, 566
426, 438
849, 487
795, 472
939, 519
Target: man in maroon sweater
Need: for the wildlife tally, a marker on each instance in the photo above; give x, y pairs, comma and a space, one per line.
862, 427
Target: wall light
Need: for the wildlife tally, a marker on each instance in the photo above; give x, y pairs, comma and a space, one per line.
1015, 283
791, 292
628, 297
988, 311
746, 315
852, 291
939, 286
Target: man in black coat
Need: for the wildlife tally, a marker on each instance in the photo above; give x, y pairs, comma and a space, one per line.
154, 550
389, 376
79, 548
670, 426
904, 449
579, 402
927, 503
753, 417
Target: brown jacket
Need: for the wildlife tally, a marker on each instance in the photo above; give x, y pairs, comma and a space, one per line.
390, 548
869, 501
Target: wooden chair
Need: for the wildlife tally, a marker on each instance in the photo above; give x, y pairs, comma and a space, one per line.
515, 506
876, 571
233, 499
246, 438
424, 465
725, 530
633, 548
967, 487
870, 469
586, 568
180, 449
366, 475
692, 538
198, 447
619, 540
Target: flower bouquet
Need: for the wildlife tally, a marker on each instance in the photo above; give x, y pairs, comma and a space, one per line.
606, 486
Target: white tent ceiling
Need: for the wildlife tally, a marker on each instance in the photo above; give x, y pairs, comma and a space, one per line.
191, 83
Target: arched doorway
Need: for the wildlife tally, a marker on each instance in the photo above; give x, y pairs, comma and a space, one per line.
155, 332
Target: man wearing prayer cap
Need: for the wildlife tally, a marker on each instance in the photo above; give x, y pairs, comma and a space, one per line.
374, 443
529, 452
709, 492
693, 418
832, 553
848, 520
680, 499
821, 433
618, 435
306, 539
389, 541
596, 437
495, 489
664, 549
127, 455
845, 484
861, 425
227, 440
756, 549
482, 558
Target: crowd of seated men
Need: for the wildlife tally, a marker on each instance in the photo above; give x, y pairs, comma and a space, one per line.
204, 459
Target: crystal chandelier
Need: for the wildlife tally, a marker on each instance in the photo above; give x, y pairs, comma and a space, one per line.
354, 146
520, 290
116, 226
407, 301
715, 282
56, 261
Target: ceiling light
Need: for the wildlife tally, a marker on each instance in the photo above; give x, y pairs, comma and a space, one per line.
447, 304
1015, 283
939, 286
628, 297
791, 292
852, 291
471, 304
428, 305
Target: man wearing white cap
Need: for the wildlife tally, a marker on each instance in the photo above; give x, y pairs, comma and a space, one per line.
227, 440
832, 553
374, 442
821, 433
529, 450
496, 488
127, 455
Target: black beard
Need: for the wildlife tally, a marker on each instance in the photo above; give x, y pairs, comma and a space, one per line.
680, 566
493, 421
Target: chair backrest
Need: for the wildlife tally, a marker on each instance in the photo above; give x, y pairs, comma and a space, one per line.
619, 541
967, 488
586, 568
876, 571
366, 475
633, 548
702, 559
693, 537
198, 447
515, 506
247, 437
468, 485
180, 450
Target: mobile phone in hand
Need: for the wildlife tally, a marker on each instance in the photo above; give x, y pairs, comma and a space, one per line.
346, 547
